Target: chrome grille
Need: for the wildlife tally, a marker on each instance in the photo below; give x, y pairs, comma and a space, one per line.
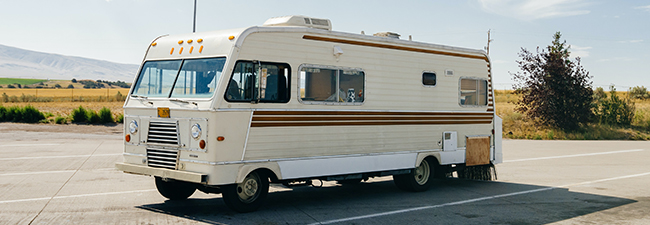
162, 158
163, 132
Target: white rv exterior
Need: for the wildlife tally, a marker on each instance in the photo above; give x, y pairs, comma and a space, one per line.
227, 111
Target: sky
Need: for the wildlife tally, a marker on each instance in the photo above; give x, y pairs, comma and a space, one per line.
612, 38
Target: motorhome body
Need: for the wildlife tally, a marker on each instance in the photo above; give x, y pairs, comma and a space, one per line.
291, 100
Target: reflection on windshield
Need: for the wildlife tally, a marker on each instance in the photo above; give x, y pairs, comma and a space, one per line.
191, 78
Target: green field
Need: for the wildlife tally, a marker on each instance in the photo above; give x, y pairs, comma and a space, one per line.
21, 81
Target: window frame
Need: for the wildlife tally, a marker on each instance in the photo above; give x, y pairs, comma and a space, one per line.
434, 74
253, 100
487, 99
337, 84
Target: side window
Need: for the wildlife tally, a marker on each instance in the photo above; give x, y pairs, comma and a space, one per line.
429, 79
263, 82
473, 91
331, 85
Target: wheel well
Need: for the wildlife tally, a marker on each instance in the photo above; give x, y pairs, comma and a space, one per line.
268, 173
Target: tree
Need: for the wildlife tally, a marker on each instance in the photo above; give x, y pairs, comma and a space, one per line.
74, 80
70, 86
57, 86
554, 89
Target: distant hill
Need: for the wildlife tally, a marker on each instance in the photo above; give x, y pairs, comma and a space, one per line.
21, 63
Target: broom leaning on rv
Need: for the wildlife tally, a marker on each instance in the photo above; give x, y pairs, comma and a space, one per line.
291, 101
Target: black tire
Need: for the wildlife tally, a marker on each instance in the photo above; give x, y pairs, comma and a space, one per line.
174, 190
247, 196
420, 178
349, 181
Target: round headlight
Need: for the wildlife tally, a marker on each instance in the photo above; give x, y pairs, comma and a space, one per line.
133, 127
196, 131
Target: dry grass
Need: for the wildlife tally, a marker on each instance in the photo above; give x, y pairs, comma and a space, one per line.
38, 92
518, 126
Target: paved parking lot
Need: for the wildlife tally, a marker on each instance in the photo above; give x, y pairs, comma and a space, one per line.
69, 178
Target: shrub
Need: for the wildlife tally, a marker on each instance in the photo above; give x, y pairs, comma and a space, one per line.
639, 92
70, 86
31, 114
11, 86
79, 115
120, 118
615, 111
57, 86
60, 120
14, 114
3, 112
105, 115
92, 116
5, 97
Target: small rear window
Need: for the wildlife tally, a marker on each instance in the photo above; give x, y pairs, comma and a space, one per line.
429, 79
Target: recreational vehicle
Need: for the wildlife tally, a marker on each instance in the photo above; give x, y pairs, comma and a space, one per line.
292, 101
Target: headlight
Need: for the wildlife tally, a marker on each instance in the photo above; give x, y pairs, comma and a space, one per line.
133, 127
196, 131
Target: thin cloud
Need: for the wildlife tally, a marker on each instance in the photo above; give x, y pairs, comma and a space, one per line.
577, 51
535, 9
630, 41
646, 8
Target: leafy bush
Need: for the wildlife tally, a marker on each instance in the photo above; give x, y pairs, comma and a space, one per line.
105, 115
92, 116
79, 115
57, 86
70, 86
31, 115
615, 111
120, 118
639, 92
60, 120
3, 112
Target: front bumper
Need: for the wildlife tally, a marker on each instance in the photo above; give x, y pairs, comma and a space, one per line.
164, 173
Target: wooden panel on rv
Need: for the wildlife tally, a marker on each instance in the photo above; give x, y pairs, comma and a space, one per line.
477, 151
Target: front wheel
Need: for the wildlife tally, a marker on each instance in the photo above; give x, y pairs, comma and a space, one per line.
419, 179
247, 196
173, 189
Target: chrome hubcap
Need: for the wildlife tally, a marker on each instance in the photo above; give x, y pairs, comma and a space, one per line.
422, 173
248, 190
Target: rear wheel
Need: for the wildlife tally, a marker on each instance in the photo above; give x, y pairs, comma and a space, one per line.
174, 190
419, 179
249, 195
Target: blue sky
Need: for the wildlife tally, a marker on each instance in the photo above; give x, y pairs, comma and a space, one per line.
611, 37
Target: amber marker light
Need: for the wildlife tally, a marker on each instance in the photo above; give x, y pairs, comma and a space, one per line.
172, 51
180, 42
201, 49
199, 40
127, 138
154, 44
189, 41
181, 51
221, 138
202, 144
191, 49
231, 37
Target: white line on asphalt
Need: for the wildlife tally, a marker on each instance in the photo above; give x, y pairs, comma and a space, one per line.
53, 171
75, 196
474, 200
577, 155
59, 156
23, 145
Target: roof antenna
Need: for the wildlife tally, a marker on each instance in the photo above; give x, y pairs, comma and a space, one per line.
194, 24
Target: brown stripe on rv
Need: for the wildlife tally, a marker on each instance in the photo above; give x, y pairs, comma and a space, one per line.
367, 123
344, 113
370, 44
320, 118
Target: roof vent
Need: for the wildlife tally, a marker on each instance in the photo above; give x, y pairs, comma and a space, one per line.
299, 21
387, 34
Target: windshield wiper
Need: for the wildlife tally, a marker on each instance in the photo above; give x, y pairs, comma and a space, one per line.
183, 101
142, 98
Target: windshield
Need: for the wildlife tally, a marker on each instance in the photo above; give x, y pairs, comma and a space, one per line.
190, 78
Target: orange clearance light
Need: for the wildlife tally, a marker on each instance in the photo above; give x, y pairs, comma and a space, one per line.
191, 49
201, 49
154, 44
181, 51
231, 37
221, 138
199, 40
172, 51
189, 41
202, 144
127, 138
180, 42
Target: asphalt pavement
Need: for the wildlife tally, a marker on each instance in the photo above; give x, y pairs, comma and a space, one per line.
70, 178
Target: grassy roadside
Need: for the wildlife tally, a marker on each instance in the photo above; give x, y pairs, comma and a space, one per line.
518, 126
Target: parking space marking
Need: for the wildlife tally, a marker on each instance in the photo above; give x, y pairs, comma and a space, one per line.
55, 171
475, 199
59, 156
577, 155
27, 145
75, 196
